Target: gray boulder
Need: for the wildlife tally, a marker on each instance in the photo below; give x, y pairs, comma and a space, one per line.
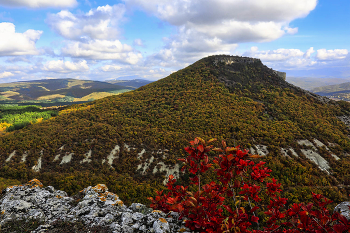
343, 209
97, 207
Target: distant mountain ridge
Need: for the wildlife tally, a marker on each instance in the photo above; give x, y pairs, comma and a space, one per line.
310, 83
133, 83
56, 90
339, 91
132, 141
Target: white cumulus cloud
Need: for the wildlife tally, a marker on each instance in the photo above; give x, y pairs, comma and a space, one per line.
275, 55
231, 20
6, 74
60, 66
110, 68
99, 23
184, 49
234, 31
12, 43
309, 52
284, 58
102, 50
179, 12
39, 3
336, 54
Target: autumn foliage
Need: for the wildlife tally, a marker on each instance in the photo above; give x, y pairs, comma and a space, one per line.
241, 181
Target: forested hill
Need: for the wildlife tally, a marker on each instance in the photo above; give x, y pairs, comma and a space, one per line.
132, 141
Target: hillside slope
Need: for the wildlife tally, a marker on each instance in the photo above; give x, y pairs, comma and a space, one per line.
57, 90
131, 141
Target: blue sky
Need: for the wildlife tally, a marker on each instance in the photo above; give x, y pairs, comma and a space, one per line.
108, 39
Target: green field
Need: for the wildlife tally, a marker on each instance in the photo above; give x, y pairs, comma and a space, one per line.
14, 117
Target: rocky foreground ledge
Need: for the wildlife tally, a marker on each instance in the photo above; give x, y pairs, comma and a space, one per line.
95, 207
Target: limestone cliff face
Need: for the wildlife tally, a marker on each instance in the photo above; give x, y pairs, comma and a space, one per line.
283, 75
234, 74
229, 60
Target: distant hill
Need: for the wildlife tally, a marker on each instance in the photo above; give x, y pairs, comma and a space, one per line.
310, 83
338, 92
58, 90
131, 142
134, 83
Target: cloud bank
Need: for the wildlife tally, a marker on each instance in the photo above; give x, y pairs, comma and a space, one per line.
61, 66
102, 50
39, 3
336, 54
99, 23
216, 26
94, 35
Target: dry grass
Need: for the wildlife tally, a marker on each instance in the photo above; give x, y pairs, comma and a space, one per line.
4, 183
9, 93
44, 88
94, 95
73, 83
50, 97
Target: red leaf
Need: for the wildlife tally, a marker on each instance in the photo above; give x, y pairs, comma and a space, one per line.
200, 148
206, 160
230, 157
228, 209
171, 200
254, 219
303, 217
254, 208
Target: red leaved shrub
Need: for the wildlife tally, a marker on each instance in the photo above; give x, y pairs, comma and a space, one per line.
243, 181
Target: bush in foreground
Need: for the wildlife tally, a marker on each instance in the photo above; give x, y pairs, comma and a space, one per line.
244, 182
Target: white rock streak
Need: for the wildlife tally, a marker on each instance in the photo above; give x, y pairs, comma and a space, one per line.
87, 157
10, 156
67, 158
113, 155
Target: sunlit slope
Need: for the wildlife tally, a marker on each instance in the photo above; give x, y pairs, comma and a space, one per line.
132, 141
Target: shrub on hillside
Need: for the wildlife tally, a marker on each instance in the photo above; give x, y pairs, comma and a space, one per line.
17, 126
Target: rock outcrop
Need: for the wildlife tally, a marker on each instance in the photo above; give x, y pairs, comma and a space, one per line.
95, 207
282, 75
228, 60
344, 209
